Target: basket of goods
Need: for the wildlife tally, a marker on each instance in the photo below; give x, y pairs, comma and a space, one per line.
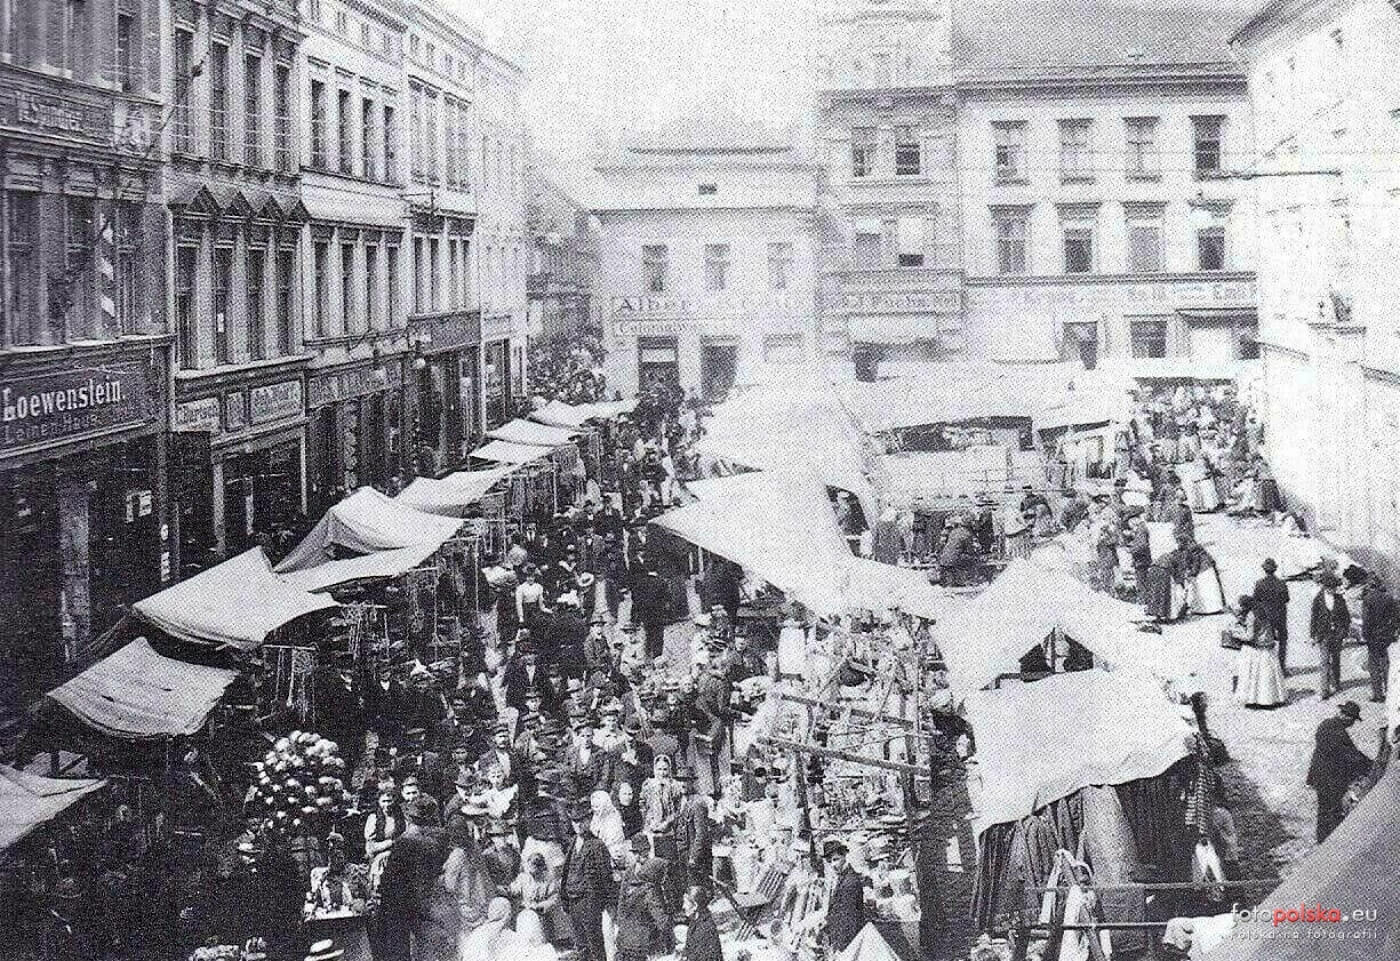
298, 786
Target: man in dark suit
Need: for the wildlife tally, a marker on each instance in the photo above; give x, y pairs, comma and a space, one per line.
845, 915
1380, 618
587, 883
701, 935
649, 600
1271, 600
1330, 625
502, 755
409, 872
459, 727
643, 923
1336, 762
694, 840
522, 673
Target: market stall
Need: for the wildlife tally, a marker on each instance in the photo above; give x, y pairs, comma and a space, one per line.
28, 801
530, 433
456, 494
556, 413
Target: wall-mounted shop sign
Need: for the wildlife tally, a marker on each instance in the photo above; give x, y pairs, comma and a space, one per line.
900, 302
329, 388
275, 401
54, 114
195, 416
648, 305
448, 331
497, 325
653, 328
68, 404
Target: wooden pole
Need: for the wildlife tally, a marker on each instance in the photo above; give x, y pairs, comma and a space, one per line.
912, 769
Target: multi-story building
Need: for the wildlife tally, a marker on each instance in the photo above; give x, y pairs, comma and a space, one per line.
1326, 104
232, 188
355, 255
564, 259
1034, 180
891, 270
84, 345
708, 256
1095, 152
502, 244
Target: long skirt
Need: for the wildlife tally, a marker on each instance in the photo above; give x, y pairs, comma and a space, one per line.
1205, 595
1157, 594
1261, 682
1204, 495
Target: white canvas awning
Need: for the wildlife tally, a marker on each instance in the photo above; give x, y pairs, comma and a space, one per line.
237, 603
556, 413
137, 694
1040, 742
528, 432
365, 522
454, 494
380, 564
28, 800
505, 452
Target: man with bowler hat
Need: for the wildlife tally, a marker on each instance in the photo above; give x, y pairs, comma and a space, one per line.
1336, 762
587, 882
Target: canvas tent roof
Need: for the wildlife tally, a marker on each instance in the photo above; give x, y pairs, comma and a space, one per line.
556, 413
380, 564
28, 800
505, 452
136, 693
528, 432
1040, 742
873, 586
453, 494
870, 945
365, 522
986, 637
1357, 866
237, 603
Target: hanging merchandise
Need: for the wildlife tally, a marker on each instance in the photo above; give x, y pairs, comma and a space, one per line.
422, 606
290, 668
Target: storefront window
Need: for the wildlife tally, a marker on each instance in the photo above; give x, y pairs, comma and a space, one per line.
658, 361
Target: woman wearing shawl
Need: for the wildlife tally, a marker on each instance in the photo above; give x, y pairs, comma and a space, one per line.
607, 824
494, 940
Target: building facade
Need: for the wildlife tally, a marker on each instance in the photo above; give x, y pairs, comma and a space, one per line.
1325, 104
564, 260
233, 192
1029, 181
84, 341
708, 258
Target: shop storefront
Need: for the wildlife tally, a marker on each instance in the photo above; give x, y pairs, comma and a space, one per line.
238, 455
498, 378
898, 324
355, 438
82, 480
446, 383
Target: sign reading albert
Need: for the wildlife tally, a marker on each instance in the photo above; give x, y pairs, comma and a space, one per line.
68, 404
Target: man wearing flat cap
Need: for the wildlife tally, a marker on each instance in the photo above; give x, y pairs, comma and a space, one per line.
1271, 602
1336, 762
1330, 624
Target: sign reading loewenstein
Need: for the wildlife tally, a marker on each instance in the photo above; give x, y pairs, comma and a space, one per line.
70, 403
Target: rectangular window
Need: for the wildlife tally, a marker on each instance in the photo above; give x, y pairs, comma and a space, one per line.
451, 272
782, 349
1010, 151
391, 170
912, 241
464, 147
252, 123
80, 280
863, 152
716, 266
654, 268
1011, 243
415, 133
1140, 136
779, 265
218, 102
184, 63
257, 277
126, 60
348, 312
321, 256
186, 267
449, 139
1149, 338
1145, 245
371, 285
347, 135
434, 275
318, 125
223, 284
430, 136
1210, 248
391, 302
24, 284
420, 276
282, 120
368, 153
1076, 161
908, 161
286, 277
129, 234
1078, 240
1209, 144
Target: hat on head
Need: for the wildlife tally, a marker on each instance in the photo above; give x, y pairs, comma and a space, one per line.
464, 778
1350, 709
1270, 565
324, 950
586, 580
632, 725
1328, 579
500, 727
833, 848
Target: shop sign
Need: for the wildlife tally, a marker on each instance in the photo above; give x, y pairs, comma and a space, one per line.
275, 401
901, 302
71, 403
235, 411
498, 325
653, 328
717, 304
330, 388
197, 415
72, 118
454, 330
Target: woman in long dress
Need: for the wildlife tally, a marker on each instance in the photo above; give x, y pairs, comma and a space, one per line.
607, 824
1261, 682
466, 877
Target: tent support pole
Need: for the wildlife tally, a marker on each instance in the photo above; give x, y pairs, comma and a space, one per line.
911, 769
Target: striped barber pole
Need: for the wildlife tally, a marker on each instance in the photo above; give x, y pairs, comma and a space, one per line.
107, 271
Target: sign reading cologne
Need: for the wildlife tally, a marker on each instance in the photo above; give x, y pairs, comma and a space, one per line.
66, 404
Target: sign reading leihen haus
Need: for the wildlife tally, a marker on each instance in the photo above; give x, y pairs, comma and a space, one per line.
62, 405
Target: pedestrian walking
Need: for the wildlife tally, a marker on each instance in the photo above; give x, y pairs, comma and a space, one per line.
1330, 625
588, 883
1380, 618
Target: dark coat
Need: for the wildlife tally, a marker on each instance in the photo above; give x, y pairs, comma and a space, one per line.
517, 682
702, 938
1330, 627
846, 914
1271, 596
694, 841
618, 769
409, 873
1380, 618
641, 912
1336, 760
649, 600
589, 869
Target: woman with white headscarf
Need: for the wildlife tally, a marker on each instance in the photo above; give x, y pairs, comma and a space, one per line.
494, 939
530, 942
607, 824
